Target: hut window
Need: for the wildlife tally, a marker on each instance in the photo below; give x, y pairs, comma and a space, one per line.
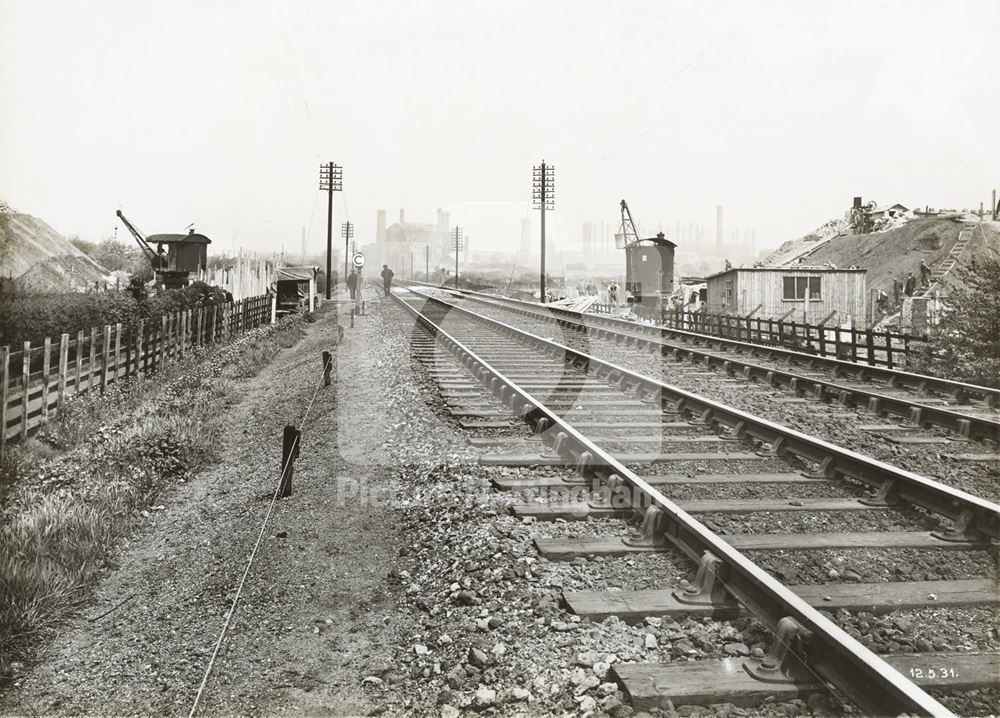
727, 292
797, 288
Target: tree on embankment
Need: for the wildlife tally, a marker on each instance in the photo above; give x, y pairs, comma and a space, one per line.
965, 344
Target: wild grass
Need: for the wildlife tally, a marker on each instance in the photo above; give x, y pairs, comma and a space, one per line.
68, 495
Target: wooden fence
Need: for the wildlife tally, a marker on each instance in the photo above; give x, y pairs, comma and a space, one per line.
34, 381
884, 348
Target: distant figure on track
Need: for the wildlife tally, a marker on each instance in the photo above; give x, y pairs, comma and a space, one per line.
352, 283
387, 275
911, 284
613, 293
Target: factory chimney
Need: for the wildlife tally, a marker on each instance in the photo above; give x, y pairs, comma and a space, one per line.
401, 220
444, 219
718, 229
380, 226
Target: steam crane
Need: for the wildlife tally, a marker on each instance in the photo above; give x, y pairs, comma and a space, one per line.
157, 261
186, 253
649, 263
628, 235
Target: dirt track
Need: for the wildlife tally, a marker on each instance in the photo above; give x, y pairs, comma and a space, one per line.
310, 624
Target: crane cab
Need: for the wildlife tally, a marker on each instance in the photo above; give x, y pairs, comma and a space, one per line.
649, 269
185, 252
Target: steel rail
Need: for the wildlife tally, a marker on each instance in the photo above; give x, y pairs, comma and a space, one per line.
892, 484
959, 391
919, 414
820, 645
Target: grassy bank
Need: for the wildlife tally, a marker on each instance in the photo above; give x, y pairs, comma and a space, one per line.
70, 493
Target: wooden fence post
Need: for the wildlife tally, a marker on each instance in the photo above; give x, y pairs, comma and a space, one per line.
63, 367
4, 388
163, 341
25, 380
93, 358
106, 357
79, 360
182, 338
129, 347
46, 371
139, 336
118, 348
211, 325
888, 348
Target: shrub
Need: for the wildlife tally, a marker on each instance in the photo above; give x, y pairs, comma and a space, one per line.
32, 317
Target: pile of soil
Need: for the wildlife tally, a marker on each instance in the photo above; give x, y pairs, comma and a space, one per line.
41, 259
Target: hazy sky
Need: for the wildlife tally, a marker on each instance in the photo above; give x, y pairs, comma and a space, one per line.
219, 112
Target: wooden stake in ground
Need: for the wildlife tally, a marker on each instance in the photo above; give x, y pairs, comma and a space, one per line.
289, 452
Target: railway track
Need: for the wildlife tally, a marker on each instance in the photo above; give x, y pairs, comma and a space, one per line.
966, 410
625, 442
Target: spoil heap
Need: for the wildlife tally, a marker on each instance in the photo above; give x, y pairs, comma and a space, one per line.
34, 256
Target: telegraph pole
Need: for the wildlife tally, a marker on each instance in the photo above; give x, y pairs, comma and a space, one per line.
330, 179
543, 197
347, 232
427, 263
457, 241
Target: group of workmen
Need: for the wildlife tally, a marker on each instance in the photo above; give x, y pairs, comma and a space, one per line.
590, 290
900, 287
909, 285
387, 275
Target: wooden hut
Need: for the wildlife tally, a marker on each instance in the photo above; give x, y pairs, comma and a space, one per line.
799, 293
